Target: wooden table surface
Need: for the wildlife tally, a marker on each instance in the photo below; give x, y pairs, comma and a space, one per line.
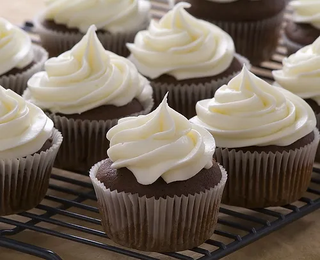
297, 241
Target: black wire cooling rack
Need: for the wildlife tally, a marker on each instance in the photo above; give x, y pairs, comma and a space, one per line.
70, 204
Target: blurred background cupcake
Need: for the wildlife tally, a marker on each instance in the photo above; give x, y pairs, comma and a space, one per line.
254, 25
19, 58
160, 189
186, 56
304, 26
28, 147
85, 91
300, 75
63, 23
266, 139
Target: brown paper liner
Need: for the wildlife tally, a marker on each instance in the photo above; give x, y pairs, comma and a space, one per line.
258, 40
24, 182
85, 141
292, 47
183, 98
18, 82
318, 150
259, 180
58, 42
163, 225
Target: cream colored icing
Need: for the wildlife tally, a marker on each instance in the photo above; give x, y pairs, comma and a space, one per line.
161, 144
86, 77
300, 72
110, 15
15, 47
250, 112
306, 11
24, 128
182, 46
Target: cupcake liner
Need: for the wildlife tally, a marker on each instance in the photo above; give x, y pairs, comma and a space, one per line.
292, 47
317, 159
163, 225
256, 40
258, 180
184, 97
24, 181
85, 141
18, 82
58, 42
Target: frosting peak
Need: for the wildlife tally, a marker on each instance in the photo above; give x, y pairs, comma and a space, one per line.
300, 72
306, 11
161, 144
24, 128
250, 112
110, 15
182, 46
15, 47
86, 77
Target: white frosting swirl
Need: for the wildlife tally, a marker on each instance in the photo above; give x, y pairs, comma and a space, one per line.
161, 144
306, 11
301, 72
86, 77
110, 15
182, 46
15, 47
24, 128
250, 112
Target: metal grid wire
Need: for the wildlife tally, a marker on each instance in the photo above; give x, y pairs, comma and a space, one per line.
71, 204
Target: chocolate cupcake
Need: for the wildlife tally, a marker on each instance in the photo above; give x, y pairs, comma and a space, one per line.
188, 57
254, 25
85, 91
28, 147
300, 75
304, 26
64, 23
266, 138
160, 189
19, 58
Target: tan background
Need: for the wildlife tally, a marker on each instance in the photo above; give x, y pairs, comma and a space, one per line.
298, 241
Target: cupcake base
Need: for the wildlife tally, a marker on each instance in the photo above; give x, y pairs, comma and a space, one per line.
24, 182
185, 94
163, 225
298, 35
57, 41
266, 178
316, 108
17, 79
255, 40
85, 141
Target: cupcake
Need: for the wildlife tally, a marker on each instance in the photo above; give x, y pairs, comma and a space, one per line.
254, 25
19, 58
190, 58
160, 189
28, 147
63, 23
266, 139
300, 75
304, 27
85, 91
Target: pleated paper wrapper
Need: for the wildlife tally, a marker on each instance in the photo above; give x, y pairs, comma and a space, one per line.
18, 82
256, 40
24, 182
184, 97
59, 42
85, 141
318, 150
259, 180
163, 225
